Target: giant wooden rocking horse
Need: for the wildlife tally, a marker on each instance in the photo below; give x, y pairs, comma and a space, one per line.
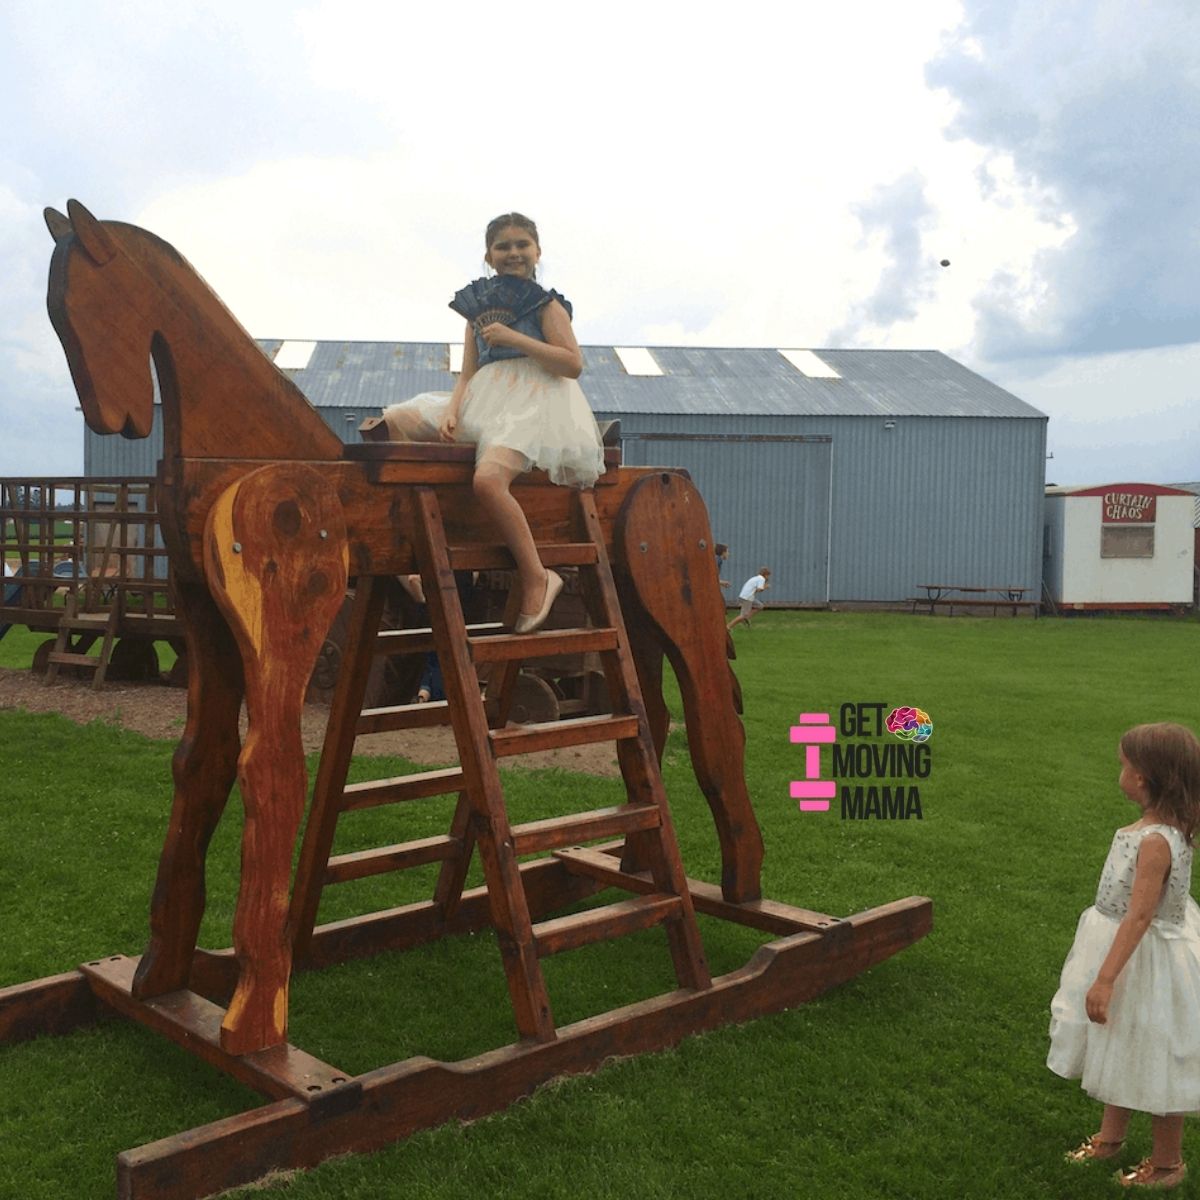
267, 517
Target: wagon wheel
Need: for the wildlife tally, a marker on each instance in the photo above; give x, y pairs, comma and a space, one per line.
133, 660
595, 694
41, 656
329, 660
534, 701
41, 660
391, 680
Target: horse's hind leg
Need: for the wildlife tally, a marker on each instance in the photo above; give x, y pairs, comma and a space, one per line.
275, 556
203, 767
663, 542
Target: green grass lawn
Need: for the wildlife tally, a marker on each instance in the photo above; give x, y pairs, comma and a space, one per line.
922, 1078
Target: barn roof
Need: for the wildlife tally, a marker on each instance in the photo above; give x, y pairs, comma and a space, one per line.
694, 380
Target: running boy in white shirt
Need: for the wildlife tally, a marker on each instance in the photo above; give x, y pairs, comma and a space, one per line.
750, 589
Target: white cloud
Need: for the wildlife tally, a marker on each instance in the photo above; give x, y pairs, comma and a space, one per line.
1098, 104
322, 248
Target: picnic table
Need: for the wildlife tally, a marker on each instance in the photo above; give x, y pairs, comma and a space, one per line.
964, 595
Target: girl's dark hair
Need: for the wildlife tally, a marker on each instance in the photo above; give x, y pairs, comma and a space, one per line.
721, 549
503, 222
1168, 757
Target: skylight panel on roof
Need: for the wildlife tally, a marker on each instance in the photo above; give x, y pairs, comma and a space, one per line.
456, 356
807, 363
637, 360
294, 356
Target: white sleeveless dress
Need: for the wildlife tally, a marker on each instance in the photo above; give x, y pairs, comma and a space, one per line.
1147, 1056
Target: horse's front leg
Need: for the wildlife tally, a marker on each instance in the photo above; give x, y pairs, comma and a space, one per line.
275, 555
203, 768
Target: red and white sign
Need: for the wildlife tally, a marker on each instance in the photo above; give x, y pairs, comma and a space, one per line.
1128, 508
1129, 503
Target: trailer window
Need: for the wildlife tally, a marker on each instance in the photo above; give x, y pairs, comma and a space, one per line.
1127, 541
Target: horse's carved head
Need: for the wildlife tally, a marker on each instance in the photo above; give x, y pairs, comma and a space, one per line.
120, 299
101, 305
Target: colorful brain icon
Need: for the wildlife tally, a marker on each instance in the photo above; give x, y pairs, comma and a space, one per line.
911, 724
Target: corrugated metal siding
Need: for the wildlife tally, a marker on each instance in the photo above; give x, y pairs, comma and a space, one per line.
934, 500
767, 500
109, 456
1054, 522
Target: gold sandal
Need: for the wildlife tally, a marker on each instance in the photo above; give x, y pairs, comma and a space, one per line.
1094, 1148
1147, 1175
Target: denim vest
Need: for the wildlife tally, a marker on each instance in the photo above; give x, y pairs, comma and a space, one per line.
529, 322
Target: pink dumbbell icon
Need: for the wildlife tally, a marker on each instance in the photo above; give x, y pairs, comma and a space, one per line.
813, 792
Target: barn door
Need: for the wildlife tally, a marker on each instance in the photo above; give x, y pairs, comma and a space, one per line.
767, 498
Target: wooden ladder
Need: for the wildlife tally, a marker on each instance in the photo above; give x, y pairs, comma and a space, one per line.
77, 633
480, 817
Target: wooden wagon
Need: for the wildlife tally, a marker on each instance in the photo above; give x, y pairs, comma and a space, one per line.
90, 569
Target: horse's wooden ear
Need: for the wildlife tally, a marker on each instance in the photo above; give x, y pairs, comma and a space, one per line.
58, 225
93, 237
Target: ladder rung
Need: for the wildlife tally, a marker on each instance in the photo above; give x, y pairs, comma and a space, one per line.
391, 858
551, 735
86, 621
556, 832
599, 924
511, 646
420, 641
402, 787
65, 659
403, 716
497, 558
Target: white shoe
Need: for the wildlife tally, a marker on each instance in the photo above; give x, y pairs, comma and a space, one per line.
531, 624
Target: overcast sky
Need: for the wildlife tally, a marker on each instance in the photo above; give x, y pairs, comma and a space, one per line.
759, 175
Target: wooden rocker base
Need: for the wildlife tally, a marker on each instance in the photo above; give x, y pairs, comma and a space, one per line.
319, 1112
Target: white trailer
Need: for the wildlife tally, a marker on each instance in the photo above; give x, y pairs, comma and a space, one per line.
1119, 546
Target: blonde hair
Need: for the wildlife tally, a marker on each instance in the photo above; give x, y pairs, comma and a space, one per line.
1167, 756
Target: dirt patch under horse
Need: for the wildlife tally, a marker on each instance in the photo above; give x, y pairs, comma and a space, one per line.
159, 712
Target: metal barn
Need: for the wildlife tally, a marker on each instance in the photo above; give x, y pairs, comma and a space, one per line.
854, 474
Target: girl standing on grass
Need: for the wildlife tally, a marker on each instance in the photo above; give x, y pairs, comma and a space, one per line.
1125, 1020
516, 399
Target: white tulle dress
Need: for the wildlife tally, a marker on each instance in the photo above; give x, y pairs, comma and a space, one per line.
1147, 1056
515, 403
